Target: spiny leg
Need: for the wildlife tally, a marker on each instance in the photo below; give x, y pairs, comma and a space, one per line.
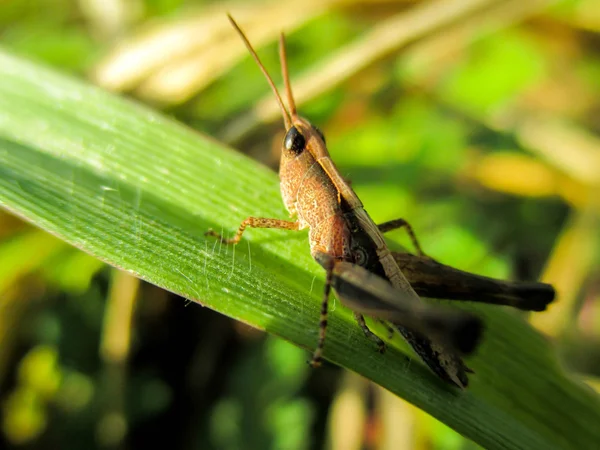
368, 333
255, 222
401, 223
318, 353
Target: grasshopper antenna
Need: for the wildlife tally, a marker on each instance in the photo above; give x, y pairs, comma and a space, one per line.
286, 75
286, 116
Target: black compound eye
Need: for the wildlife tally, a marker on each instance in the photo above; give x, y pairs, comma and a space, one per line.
294, 141
360, 256
320, 133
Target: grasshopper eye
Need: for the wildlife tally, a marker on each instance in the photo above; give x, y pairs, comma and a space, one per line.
294, 141
320, 133
360, 256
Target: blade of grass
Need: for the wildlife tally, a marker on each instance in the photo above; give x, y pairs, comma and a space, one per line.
138, 191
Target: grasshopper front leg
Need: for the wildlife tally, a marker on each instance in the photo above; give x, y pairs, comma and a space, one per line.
256, 222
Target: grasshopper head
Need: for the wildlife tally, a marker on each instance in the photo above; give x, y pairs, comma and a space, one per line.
302, 136
303, 143
300, 133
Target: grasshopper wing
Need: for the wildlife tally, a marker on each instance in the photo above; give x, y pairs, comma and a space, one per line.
430, 278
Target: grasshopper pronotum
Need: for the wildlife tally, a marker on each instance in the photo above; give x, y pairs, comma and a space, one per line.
360, 267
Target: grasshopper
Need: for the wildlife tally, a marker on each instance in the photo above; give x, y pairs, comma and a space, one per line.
351, 248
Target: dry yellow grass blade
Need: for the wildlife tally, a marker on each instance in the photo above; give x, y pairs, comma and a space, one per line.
571, 261
171, 62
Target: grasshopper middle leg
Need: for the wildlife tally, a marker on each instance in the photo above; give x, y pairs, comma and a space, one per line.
255, 222
401, 223
368, 333
328, 264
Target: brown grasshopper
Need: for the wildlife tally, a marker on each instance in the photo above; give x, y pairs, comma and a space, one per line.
343, 238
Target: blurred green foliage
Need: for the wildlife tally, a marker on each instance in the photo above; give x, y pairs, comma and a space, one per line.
410, 135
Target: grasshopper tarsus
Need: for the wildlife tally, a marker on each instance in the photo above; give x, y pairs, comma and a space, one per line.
390, 329
255, 222
401, 223
315, 363
369, 334
220, 237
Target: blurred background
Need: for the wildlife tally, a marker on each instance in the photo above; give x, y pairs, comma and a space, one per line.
475, 120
